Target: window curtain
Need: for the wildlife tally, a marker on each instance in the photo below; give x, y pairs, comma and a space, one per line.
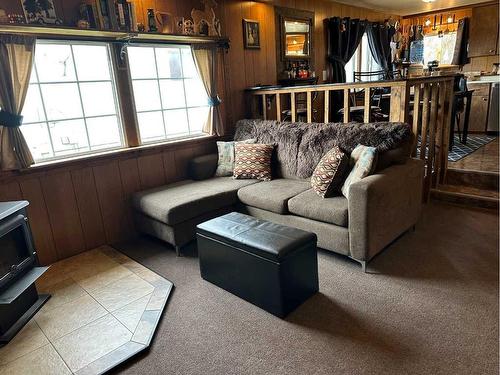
16, 61
379, 40
206, 61
462, 43
344, 36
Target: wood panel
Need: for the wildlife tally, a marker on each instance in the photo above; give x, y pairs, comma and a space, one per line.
151, 171
88, 207
59, 195
39, 221
112, 202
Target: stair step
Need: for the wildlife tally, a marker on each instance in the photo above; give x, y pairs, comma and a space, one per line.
476, 179
467, 195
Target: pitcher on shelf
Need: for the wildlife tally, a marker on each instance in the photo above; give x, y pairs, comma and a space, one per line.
166, 22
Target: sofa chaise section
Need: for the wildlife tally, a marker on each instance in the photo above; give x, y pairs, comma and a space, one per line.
172, 212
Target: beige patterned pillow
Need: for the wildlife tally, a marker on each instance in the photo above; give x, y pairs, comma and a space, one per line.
253, 161
330, 172
363, 161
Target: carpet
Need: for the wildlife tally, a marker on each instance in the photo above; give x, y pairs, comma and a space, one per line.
429, 305
459, 150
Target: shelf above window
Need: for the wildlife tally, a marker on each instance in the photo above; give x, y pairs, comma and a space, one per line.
61, 32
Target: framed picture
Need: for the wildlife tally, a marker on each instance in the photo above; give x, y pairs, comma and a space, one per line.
251, 34
42, 12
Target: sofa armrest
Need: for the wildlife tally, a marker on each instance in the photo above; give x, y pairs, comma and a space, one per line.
203, 167
383, 206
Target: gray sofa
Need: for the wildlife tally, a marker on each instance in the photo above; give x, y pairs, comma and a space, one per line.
381, 207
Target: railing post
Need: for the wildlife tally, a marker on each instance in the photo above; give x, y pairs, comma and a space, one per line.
327, 106
448, 109
292, 105
278, 107
368, 106
309, 106
347, 108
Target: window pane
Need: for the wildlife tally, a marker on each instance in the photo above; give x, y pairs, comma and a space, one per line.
69, 137
169, 62
151, 126
195, 93
146, 94
54, 63
197, 118
62, 101
177, 123
37, 137
104, 132
188, 66
91, 62
98, 98
172, 93
142, 62
33, 108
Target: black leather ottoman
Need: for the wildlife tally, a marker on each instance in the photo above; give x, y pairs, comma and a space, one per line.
270, 265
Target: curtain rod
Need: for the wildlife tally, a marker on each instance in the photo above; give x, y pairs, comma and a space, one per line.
52, 33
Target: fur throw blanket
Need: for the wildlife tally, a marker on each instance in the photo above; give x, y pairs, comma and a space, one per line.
300, 146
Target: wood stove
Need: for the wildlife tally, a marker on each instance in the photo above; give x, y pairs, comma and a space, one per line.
19, 299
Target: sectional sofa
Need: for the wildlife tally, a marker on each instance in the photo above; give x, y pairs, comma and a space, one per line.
380, 208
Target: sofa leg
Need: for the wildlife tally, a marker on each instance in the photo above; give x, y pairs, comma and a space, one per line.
363, 266
178, 251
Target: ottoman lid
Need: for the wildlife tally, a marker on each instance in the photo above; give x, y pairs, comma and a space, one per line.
260, 237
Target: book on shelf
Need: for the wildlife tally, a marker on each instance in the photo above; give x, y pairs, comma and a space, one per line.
118, 15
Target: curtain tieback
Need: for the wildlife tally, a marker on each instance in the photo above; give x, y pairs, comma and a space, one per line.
339, 60
10, 120
214, 101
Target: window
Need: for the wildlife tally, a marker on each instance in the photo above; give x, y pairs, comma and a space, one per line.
170, 99
362, 61
71, 106
439, 47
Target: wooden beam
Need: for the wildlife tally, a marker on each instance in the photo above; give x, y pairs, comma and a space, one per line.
416, 119
264, 107
292, 102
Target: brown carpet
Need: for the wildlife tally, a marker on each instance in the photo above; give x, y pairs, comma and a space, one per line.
428, 306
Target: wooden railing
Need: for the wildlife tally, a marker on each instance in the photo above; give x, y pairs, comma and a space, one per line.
425, 103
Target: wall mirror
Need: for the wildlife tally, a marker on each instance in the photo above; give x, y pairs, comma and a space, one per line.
294, 44
297, 38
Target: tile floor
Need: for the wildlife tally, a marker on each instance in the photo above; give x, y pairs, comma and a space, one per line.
104, 308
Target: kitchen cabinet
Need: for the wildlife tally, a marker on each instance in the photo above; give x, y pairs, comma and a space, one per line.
479, 106
483, 39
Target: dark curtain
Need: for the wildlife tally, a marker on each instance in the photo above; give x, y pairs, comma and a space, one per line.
344, 36
460, 54
379, 40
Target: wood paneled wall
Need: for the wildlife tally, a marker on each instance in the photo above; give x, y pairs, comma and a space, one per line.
85, 204
247, 68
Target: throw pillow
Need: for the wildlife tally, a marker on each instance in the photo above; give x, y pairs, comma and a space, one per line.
225, 163
253, 161
363, 161
329, 174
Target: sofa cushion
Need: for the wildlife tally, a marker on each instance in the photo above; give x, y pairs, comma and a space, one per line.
331, 210
176, 203
328, 177
202, 167
272, 195
253, 161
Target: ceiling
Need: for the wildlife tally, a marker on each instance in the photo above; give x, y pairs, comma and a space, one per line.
407, 7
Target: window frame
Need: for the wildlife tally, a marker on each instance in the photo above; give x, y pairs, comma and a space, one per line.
113, 80
158, 80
